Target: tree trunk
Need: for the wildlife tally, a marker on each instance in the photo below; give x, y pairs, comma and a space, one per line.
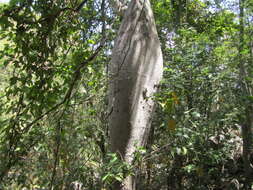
248, 108
135, 71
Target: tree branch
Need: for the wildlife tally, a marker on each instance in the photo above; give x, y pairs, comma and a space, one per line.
118, 6
68, 94
81, 5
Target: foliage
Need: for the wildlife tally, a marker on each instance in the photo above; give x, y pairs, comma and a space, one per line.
54, 106
115, 170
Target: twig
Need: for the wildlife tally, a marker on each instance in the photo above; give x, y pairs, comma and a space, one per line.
75, 77
150, 155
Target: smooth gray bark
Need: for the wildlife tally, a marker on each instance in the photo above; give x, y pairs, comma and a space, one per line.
135, 71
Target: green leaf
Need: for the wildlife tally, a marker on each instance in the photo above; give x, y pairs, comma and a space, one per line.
118, 178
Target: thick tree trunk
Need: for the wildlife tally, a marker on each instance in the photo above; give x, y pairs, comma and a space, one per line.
135, 71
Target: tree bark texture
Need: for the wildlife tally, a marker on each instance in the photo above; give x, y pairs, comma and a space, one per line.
119, 6
135, 71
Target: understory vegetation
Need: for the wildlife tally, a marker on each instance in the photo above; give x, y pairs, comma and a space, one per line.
54, 107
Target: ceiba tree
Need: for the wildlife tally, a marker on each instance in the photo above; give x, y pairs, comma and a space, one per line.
135, 71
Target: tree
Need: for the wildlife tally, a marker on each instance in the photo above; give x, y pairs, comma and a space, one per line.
54, 95
45, 69
246, 90
135, 72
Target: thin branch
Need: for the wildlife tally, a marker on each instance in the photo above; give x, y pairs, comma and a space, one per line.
81, 5
118, 7
155, 152
75, 77
10, 13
